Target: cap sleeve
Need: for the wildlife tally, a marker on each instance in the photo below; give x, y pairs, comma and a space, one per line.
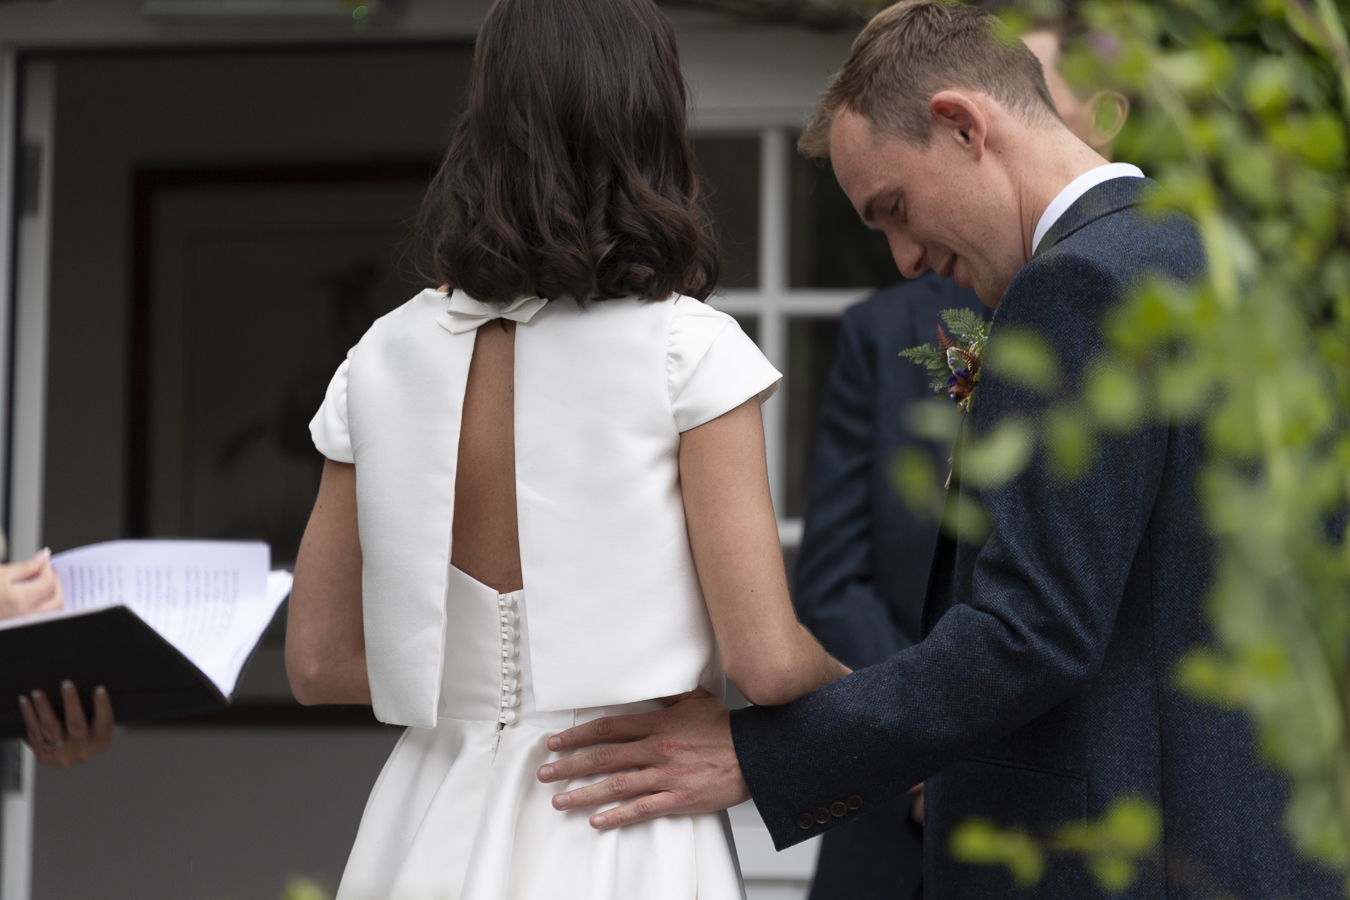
712, 366
329, 425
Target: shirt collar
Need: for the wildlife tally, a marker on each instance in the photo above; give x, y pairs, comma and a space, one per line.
1075, 189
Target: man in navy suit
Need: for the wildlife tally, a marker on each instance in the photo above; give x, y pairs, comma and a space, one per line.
1041, 691
862, 570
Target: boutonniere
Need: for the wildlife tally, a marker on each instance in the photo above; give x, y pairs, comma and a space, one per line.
954, 363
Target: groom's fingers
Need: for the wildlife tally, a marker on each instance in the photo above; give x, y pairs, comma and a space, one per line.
616, 787
599, 760
685, 757
652, 806
605, 731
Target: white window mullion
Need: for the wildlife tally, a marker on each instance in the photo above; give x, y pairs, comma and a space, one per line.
32, 265
9, 198
773, 286
31, 268
825, 302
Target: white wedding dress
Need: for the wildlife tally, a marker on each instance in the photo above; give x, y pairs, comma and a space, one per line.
458, 812
601, 397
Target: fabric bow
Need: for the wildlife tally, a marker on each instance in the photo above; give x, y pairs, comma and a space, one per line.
466, 314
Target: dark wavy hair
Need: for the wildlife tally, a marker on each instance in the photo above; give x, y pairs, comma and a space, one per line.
571, 173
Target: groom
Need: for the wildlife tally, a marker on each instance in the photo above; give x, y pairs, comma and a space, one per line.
1041, 691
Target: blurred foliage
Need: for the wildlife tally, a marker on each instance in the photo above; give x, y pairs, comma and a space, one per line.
305, 889
1113, 846
1240, 111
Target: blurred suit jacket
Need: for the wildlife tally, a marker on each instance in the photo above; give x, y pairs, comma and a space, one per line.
1042, 689
864, 559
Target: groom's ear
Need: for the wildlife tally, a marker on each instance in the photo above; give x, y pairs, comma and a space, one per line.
957, 116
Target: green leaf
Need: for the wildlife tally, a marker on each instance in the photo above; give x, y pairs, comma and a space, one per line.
1269, 85
1131, 826
1114, 844
1185, 387
1321, 140
982, 843
917, 482
304, 889
926, 355
997, 457
1252, 172
933, 360
1024, 358
1112, 873
965, 324
1207, 676
1114, 397
1071, 442
965, 520
933, 420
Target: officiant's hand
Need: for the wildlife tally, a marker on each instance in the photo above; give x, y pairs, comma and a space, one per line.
79, 739
685, 761
31, 586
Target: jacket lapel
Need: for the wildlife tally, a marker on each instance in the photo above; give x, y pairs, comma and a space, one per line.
1103, 200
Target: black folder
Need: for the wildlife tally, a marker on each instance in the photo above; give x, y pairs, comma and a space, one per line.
147, 677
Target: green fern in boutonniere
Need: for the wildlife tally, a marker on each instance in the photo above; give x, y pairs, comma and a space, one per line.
954, 363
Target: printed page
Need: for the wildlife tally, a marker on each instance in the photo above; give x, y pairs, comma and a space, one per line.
210, 599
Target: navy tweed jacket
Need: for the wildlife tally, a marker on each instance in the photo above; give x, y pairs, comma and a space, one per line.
862, 569
1042, 689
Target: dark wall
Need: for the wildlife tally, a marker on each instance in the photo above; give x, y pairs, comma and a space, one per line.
205, 814
117, 113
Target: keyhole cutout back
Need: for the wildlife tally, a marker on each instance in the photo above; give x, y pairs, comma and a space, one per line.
485, 542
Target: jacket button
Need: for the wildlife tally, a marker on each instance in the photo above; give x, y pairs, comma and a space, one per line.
805, 820
822, 815
837, 809
855, 802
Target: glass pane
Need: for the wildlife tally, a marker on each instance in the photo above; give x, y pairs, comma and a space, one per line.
812, 343
750, 325
730, 168
830, 246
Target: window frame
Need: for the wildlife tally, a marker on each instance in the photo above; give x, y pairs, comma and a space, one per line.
773, 301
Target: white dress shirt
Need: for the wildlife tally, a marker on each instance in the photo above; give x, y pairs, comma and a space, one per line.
1075, 189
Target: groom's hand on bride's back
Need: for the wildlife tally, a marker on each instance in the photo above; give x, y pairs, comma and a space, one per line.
676, 761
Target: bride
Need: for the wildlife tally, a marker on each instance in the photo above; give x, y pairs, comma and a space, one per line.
546, 498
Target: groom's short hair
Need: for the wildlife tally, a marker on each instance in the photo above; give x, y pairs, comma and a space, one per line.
913, 50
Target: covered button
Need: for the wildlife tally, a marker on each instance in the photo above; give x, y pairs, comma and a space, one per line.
509, 633
509, 718
510, 701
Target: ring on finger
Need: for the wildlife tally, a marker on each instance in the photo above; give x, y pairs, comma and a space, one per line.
53, 746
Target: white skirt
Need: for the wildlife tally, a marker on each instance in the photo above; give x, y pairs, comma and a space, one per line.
458, 813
